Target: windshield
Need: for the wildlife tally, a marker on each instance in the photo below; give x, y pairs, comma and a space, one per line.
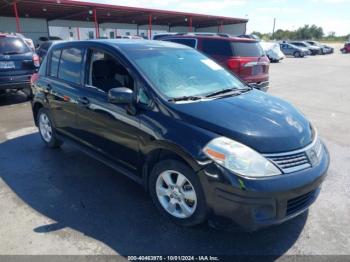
13, 45
183, 72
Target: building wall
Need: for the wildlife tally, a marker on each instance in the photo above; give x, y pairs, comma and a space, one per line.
30, 27
234, 29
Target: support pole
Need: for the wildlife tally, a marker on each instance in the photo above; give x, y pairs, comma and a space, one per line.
190, 29
97, 29
18, 27
150, 26
221, 27
78, 33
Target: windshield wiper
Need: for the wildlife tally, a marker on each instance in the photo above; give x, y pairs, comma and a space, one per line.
234, 91
185, 98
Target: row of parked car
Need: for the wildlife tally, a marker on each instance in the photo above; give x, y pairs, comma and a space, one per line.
245, 56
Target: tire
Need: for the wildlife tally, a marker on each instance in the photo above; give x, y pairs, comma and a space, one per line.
46, 129
173, 203
28, 92
297, 54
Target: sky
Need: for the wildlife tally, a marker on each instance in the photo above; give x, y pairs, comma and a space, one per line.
332, 15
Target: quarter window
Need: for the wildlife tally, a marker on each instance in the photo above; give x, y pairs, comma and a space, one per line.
215, 47
55, 59
71, 65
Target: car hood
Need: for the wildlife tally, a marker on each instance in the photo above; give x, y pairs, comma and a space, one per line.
263, 122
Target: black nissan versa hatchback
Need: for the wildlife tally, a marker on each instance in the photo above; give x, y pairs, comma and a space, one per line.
197, 138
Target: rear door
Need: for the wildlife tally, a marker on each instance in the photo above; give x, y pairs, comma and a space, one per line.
64, 81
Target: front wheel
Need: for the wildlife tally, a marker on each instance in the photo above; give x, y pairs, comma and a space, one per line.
46, 129
176, 191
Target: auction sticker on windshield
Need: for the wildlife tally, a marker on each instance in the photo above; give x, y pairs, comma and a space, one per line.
211, 64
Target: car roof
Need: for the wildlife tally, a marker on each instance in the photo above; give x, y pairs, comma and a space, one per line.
230, 39
124, 44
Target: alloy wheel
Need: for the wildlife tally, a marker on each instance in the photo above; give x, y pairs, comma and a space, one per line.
176, 194
45, 127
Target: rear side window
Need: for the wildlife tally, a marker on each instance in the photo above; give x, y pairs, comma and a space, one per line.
13, 46
55, 59
71, 65
184, 41
247, 49
216, 47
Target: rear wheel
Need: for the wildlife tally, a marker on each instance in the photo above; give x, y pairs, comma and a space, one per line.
46, 129
297, 54
177, 193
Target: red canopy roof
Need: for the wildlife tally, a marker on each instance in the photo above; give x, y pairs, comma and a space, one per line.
82, 11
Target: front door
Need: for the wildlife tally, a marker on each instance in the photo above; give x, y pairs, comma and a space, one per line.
106, 127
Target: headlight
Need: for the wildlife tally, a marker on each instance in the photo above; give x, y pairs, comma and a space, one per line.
239, 158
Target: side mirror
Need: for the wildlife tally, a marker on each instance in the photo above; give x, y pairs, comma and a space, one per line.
120, 95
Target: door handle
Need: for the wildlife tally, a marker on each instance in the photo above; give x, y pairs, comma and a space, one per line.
83, 101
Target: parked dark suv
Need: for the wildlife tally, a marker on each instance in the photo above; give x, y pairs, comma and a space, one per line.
197, 138
242, 56
17, 63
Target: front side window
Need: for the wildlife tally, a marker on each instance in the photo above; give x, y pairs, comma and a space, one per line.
106, 72
71, 65
183, 72
55, 59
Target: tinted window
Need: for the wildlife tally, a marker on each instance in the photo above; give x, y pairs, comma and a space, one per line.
183, 41
299, 44
55, 58
247, 49
106, 72
12, 46
45, 46
70, 65
216, 47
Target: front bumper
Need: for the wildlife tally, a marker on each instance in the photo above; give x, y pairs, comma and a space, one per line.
14, 82
257, 203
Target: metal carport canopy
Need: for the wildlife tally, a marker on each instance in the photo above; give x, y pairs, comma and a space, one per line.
106, 13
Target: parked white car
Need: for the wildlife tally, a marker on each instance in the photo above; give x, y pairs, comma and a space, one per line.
273, 51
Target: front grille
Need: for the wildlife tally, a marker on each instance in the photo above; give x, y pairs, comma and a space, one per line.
291, 163
298, 203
